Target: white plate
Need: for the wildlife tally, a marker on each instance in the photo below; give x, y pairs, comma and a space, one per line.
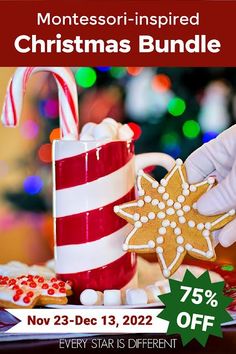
163, 283
70, 306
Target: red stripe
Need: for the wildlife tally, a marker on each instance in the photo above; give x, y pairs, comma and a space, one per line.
26, 77
111, 276
96, 163
92, 225
6, 112
69, 97
13, 104
64, 120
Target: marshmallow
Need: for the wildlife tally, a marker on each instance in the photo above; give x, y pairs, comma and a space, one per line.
86, 137
153, 292
136, 297
113, 128
90, 297
125, 132
88, 128
112, 297
111, 121
104, 131
163, 286
107, 129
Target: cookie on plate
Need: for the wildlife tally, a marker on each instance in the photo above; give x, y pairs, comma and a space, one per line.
28, 291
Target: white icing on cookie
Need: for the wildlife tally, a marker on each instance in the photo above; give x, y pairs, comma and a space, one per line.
147, 199
136, 217
185, 186
161, 205
206, 233
177, 231
161, 215
200, 226
186, 208
188, 247
180, 240
161, 189
170, 211
162, 231
180, 249
180, 212
155, 184
191, 223
182, 220
185, 192
208, 225
181, 199
166, 272
151, 215
179, 162
166, 223
151, 244
177, 205
140, 203
173, 224
138, 224
165, 196
163, 182
193, 188
170, 202
160, 240
211, 180
209, 254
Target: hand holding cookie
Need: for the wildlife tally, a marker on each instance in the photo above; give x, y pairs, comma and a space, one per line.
166, 220
217, 157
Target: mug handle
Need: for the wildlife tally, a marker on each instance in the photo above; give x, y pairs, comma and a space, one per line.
153, 159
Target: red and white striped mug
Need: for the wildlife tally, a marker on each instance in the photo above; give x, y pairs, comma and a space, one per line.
90, 178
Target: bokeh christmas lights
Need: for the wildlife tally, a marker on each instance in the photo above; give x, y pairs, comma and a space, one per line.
177, 109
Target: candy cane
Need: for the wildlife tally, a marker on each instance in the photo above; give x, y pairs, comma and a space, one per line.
67, 96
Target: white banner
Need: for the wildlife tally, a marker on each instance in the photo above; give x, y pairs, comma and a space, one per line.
88, 321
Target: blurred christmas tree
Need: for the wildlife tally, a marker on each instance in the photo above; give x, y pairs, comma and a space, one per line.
177, 109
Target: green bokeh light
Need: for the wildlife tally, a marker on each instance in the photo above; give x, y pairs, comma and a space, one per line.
191, 129
176, 106
228, 267
85, 77
171, 138
117, 72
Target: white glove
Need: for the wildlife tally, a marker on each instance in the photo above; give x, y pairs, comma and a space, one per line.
217, 157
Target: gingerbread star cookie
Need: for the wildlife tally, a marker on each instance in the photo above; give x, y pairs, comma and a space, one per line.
27, 291
166, 221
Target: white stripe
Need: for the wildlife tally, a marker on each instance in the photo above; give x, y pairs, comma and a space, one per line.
96, 194
63, 149
18, 94
91, 255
